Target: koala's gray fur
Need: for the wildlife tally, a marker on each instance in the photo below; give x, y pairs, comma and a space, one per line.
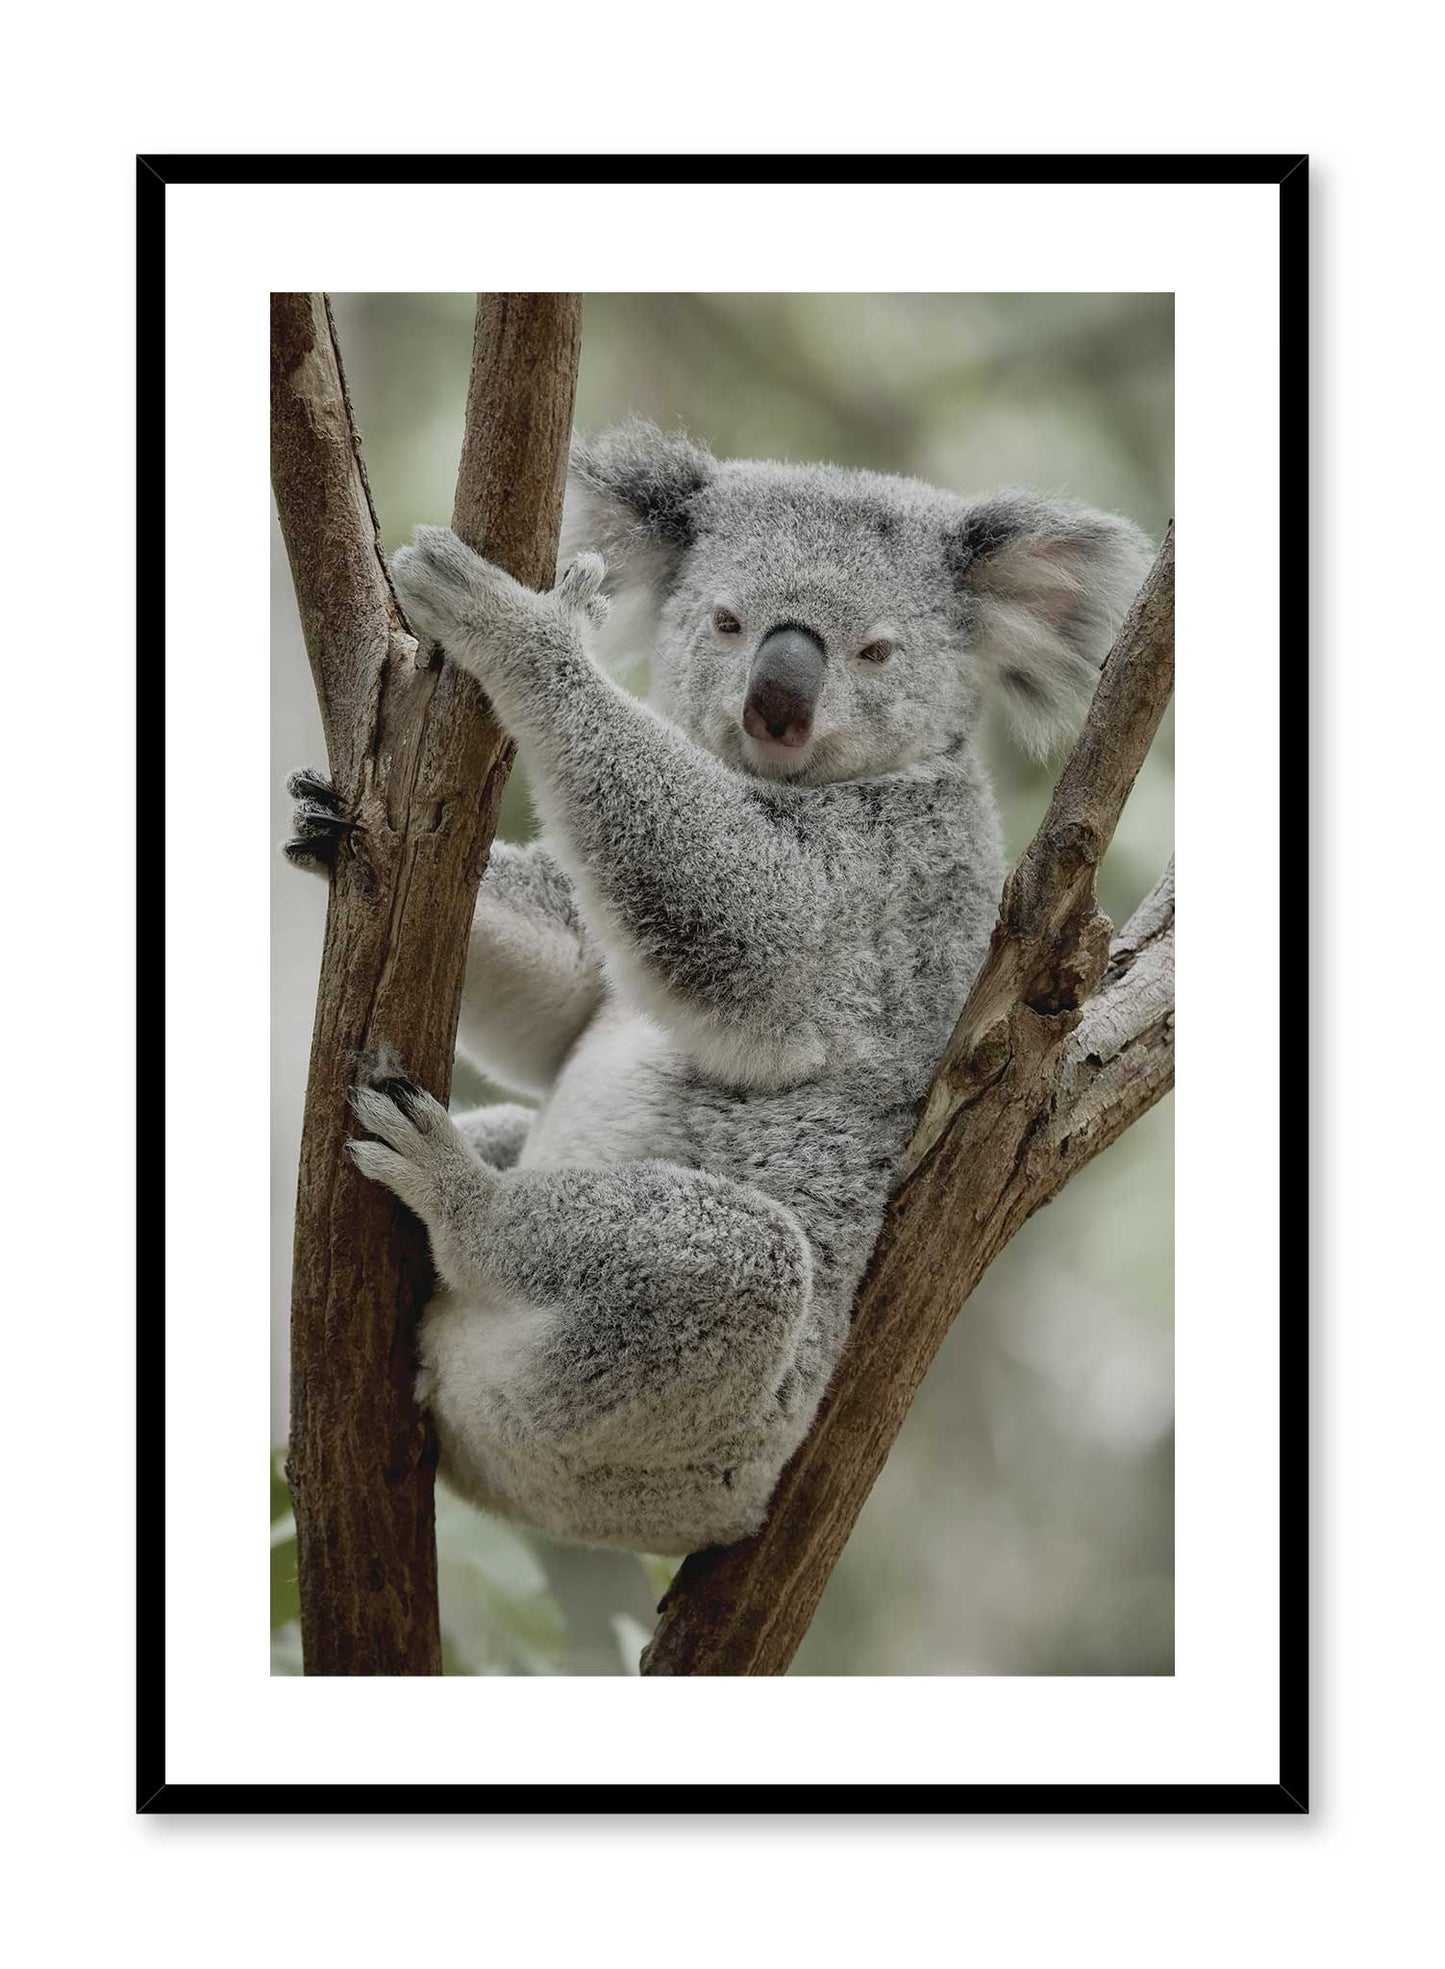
727, 972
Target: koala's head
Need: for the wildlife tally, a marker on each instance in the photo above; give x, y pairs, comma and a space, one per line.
809, 623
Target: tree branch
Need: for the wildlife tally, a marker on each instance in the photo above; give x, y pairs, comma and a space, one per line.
419, 764
1064, 1040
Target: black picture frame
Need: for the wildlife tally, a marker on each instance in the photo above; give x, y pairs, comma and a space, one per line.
1290, 1796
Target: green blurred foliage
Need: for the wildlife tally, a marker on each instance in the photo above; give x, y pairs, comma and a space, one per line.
1024, 1522
500, 1613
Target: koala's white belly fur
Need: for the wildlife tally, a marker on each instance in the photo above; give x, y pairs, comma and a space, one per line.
600, 1109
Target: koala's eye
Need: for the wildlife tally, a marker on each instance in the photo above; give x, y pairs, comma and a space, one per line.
876, 652
725, 622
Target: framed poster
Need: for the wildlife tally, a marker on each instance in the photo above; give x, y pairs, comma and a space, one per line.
698, 1275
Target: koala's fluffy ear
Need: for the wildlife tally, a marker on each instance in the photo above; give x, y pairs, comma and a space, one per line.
1048, 584
629, 497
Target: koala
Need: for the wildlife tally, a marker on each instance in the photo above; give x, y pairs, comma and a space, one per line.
722, 979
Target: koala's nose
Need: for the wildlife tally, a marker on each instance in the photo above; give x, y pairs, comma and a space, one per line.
784, 685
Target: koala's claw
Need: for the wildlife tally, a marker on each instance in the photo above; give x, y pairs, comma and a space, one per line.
321, 827
311, 784
418, 1149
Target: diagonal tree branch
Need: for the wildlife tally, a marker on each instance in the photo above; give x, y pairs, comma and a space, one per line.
1065, 1039
419, 764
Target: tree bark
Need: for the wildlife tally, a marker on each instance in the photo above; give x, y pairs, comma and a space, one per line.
1066, 1038
419, 764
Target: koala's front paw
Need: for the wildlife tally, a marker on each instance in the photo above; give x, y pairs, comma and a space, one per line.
478, 613
451, 595
322, 829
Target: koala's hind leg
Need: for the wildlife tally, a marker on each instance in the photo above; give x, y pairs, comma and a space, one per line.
610, 1315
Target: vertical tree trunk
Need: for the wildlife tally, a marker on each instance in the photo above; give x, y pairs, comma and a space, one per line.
419, 764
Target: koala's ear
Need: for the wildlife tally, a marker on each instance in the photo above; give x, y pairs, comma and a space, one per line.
1047, 585
630, 495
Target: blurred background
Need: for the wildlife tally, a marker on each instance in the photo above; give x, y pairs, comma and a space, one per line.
1024, 1523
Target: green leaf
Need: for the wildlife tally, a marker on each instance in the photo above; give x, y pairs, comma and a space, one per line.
498, 1614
